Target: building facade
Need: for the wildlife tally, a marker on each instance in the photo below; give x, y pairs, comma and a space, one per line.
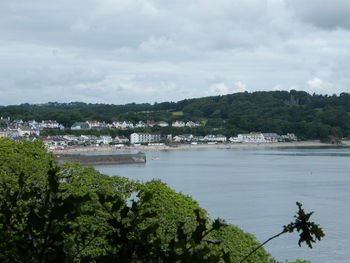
144, 138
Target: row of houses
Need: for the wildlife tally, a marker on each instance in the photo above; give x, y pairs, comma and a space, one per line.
254, 137
19, 132
32, 124
19, 128
183, 138
62, 141
258, 137
87, 125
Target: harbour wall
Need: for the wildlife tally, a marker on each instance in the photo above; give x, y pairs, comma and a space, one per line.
103, 159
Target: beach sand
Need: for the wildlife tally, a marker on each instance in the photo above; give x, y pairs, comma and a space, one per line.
111, 148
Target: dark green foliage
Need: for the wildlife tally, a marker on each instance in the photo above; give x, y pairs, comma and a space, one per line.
169, 208
35, 220
75, 214
239, 244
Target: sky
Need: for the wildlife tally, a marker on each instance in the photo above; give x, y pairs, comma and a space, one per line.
122, 51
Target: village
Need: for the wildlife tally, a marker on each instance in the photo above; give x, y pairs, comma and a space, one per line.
32, 130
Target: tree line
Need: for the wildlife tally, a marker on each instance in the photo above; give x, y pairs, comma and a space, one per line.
309, 116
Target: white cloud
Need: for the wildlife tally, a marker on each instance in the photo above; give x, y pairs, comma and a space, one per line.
319, 86
240, 86
219, 89
115, 7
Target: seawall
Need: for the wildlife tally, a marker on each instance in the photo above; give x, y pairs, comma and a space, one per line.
104, 159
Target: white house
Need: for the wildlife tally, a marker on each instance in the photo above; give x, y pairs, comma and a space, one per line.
220, 138
17, 122
2, 133
12, 133
71, 138
150, 123
96, 125
117, 124
198, 139
272, 137
289, 137
79, 126
34, 124
140, 124
105, 139
144, 138
27, 131
121, 139
123, 125
129, 125
190, 124
209, 138
215, 138
55, 142
178, 124
49, 124
23, 131
183, 138
233, 139
253, 137
193, 124
162, 124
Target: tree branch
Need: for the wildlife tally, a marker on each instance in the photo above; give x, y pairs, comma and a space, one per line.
262, 244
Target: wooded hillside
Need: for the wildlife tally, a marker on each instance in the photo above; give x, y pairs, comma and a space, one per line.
308, 116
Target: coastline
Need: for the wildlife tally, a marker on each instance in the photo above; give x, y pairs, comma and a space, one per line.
111, 148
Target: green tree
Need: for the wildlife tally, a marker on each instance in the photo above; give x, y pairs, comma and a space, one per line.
76, 214
238, 244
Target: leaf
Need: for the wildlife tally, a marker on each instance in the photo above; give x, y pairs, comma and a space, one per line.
309, 231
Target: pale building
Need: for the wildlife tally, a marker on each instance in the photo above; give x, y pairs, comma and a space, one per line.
80, 126
144, 138
121, 139
253, 137
178, 124
105, 139
162, 124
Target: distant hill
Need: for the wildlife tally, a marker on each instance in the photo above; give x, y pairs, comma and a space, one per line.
308, 116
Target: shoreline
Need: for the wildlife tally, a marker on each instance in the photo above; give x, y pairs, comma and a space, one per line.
111, 148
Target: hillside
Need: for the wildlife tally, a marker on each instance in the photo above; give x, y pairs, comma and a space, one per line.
308, 116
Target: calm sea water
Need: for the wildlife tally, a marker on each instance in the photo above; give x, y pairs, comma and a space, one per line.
256, 189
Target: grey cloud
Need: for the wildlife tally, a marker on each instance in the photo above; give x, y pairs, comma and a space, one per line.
327, 14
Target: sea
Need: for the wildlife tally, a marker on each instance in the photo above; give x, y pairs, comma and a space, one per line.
257, 190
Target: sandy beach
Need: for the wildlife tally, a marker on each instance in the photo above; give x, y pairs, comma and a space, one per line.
111, 148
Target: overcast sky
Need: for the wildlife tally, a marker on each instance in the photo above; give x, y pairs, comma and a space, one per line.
121, 51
